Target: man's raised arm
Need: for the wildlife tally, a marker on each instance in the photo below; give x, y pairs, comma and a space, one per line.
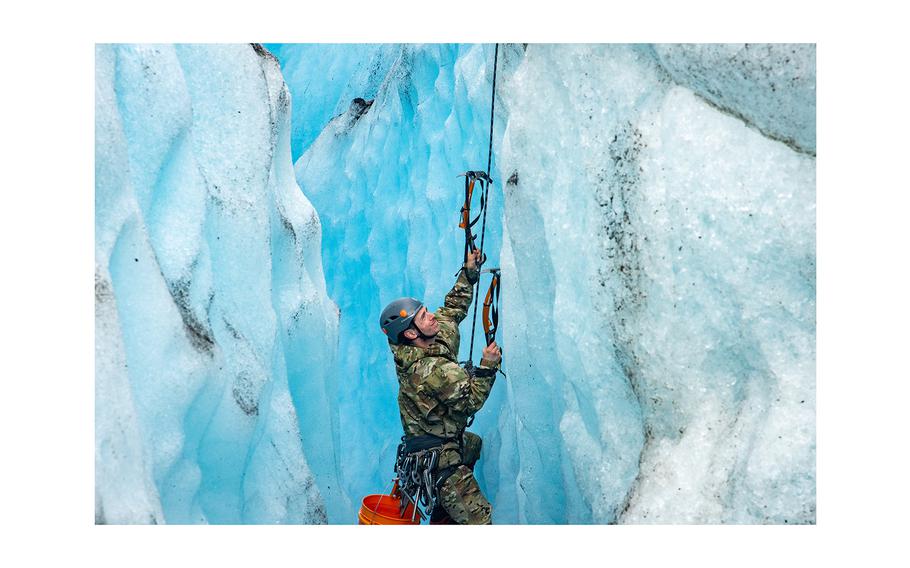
459, 298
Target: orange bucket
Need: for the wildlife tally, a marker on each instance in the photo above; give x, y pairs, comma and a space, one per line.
383, 510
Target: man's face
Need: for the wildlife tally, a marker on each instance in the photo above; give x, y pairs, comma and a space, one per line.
426, 322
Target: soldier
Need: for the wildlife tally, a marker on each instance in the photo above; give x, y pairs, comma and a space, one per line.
437, 397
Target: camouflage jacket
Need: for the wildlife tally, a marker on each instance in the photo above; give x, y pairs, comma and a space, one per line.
436, 395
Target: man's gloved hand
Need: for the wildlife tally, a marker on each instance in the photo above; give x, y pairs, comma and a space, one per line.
474, 259
492, 353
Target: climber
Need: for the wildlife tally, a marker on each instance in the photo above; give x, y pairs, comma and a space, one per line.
437, 397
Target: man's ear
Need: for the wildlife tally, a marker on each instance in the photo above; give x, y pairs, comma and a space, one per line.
410, 334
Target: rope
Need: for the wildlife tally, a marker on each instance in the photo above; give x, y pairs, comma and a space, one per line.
483, 227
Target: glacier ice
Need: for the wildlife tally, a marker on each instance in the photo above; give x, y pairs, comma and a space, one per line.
698, 278
653, 212
771, 86
209, 290
327, 84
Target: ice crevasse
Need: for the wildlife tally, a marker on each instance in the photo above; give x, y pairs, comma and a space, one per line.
653, 213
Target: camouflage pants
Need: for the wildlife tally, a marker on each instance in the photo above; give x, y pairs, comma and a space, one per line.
460, 495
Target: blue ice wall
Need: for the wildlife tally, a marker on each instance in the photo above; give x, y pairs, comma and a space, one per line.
653, 212
215, 339
328, 77
383, 176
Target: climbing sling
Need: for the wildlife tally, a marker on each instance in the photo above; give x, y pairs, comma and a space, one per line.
470, 178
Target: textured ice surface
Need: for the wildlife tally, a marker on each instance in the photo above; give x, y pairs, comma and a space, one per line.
213, 331
771, 86
653, 212
327, 78
681, 248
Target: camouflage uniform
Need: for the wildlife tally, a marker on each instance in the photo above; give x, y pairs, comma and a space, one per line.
436, 396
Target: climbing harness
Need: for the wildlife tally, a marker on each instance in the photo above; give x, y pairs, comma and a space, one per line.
418, 478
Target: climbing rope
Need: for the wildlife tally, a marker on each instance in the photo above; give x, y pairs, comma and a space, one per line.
485, 188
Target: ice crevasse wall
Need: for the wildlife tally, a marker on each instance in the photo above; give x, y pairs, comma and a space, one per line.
653, 213
213, 329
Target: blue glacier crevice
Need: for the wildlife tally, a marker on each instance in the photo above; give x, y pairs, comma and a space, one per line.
653, 213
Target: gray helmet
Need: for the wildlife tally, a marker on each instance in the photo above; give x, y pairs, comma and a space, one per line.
397, 317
